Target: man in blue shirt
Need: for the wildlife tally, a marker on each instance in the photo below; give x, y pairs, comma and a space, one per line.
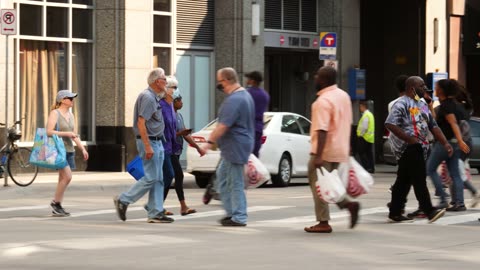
261, 100
234, 135
148, 126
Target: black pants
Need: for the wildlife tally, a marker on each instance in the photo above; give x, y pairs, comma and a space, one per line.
411, 172
178, 171
258, 144
365, 151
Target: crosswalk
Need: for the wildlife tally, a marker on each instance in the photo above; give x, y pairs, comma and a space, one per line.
368, 215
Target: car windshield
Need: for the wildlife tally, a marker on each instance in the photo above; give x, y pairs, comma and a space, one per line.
266, 120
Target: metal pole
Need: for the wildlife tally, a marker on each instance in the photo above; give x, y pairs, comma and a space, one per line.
5, 184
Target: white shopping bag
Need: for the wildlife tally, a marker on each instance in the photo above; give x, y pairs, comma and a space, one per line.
355, 178
256, 174
464, 168
329, 186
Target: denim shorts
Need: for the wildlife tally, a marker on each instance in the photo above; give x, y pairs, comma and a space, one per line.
71, 160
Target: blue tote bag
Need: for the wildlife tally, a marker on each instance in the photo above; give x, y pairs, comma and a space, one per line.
48, 152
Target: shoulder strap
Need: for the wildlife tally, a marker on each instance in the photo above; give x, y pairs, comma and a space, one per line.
58, 117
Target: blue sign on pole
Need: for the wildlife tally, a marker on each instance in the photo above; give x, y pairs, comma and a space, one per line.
356, 84
328, 46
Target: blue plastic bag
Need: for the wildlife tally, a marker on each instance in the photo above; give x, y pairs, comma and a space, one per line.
135, 168
48, 152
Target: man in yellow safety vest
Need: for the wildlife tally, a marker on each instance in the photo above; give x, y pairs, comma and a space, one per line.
366, 138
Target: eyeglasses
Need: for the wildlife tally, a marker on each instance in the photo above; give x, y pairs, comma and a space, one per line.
69, 98
163, 79
174, 87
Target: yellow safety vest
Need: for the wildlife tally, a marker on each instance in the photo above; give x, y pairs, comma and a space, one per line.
369, 136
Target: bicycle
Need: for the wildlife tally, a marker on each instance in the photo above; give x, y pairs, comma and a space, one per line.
16, 159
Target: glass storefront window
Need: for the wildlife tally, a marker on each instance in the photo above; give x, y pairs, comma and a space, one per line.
83, 2
30, 20
81, 84
161, 58
161, 5
58, 1
161, 29
57, 22
43, 69
82, 23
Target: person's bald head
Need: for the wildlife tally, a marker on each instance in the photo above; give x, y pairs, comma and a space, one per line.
325, 77
227, 79
415, 85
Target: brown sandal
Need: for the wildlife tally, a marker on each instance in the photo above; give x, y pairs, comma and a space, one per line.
168, 213
319, 228
189, 211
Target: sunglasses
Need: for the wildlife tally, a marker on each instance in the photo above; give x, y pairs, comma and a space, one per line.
174, 87
70, 98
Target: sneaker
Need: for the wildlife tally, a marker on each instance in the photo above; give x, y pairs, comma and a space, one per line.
435, 215
160, 219
417, 214
399, 219
457, 208
442, 205
390, 204
57, 210
353, 208
475, 200
224, 219
121, 208
231, 223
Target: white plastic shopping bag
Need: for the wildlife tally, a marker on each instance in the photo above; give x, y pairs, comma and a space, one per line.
355, 178
464, 168
256, 174
329, 186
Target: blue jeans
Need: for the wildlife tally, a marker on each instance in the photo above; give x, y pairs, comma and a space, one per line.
152, 181
438, 155
168, 174
231, 185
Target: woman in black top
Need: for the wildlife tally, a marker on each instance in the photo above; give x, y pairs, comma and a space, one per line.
449, 114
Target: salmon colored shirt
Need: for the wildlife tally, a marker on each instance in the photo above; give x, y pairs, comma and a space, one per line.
332, 112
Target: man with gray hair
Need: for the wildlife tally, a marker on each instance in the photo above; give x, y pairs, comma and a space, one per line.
148, 126
234, 135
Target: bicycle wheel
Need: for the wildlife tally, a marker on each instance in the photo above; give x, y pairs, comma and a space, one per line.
19, 168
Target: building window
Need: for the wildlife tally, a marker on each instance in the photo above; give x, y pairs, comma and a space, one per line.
162, 34
291, 15
51, 57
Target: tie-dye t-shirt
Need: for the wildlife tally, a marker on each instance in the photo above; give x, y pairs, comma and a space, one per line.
415, 119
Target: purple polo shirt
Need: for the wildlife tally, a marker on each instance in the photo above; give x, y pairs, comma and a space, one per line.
261, 99
170, 144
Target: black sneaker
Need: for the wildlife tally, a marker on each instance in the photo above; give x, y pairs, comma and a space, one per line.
231, 223
121, 208
435, 215
57, 210
417, 214
224, 219
390, 204
457, 208
399, 219
160, 219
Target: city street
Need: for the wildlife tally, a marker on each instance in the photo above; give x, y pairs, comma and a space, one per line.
94, 238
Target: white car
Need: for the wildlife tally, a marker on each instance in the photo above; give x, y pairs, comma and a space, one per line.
285, 150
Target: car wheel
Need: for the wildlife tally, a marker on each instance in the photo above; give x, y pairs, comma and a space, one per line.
283, 177
202, 180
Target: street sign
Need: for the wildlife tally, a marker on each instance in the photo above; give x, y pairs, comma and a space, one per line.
328, 46
9, 22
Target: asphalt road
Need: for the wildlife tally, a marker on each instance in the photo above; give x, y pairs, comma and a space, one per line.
94, 238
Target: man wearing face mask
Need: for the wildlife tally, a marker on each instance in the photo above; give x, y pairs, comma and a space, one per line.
234, 135
148, 126
409, 122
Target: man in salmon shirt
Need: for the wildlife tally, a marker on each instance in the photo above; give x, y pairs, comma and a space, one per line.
330, 134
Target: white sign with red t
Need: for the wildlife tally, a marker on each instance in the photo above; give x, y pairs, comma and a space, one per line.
8, 18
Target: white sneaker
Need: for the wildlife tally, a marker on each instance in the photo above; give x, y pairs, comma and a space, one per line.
475, 200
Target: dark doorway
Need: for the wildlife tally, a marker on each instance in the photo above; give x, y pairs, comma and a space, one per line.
392, 43
288, 78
